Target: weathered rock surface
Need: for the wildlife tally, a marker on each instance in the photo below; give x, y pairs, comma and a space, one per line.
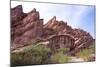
60, 27
82, 39
28, 27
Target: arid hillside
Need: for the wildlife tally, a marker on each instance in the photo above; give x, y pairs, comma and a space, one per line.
28, 29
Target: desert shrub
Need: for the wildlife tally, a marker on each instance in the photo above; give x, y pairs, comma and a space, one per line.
87, 53
63, 50
37, 54
59, 58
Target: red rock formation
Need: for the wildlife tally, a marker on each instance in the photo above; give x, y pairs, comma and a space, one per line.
26, 28
81, 37
60, 27
29, 27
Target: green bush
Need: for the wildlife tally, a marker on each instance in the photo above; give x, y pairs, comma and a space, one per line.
87, 53
63, 50
59, 58
37, 54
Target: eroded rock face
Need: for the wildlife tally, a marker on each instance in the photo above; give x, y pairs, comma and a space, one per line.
81, 37
82, 40
17, 15
60, 27
60, 41
26, 28
29, 27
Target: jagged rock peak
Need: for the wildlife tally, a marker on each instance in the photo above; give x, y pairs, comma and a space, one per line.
54, 18
50, 22
19, 7
54, 23
17, 14
33, 11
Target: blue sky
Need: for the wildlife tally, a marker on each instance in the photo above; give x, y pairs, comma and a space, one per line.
78, 16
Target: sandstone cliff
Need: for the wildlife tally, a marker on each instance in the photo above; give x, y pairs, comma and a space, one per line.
27, 28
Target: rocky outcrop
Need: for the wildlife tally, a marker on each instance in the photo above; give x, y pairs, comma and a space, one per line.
82, 40
60, 27
81, 37
60, 41
27, 28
